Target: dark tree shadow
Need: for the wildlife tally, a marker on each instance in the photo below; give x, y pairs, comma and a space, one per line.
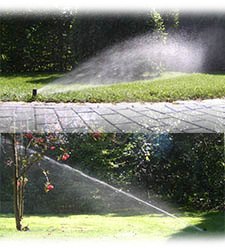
64, 215
7, 215
44, 81
42, 78
216, 73
212, 224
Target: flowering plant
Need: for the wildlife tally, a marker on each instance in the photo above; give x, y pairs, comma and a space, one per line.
29, 150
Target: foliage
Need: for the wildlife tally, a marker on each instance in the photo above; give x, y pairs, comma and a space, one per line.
169, 13
100, 25
185, 168
32, 42
56, 42
193, 174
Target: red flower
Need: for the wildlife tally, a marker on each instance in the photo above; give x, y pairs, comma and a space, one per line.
50, 187
39, 140
65, 157
96, 135
52, 147
17, 143
29, 136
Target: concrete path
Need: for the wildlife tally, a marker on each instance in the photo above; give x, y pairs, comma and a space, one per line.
206, 116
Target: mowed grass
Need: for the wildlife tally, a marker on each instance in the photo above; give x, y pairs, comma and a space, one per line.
171, 86
18, 87
112, 226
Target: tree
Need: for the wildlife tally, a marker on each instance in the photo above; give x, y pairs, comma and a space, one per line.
169, 12
23, 159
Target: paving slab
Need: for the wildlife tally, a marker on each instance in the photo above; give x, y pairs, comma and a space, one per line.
207, 116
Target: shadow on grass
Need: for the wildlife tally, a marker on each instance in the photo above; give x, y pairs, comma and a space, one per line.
8, 215
222, 73
213, 225
113, 213
102, 213
45, 80
30, 74
42, 78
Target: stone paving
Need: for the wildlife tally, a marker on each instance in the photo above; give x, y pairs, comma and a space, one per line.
206, 116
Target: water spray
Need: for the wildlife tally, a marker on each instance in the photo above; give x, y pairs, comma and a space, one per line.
122, 192
138, 58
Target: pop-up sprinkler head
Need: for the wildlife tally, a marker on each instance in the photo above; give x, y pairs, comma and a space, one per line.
34, 93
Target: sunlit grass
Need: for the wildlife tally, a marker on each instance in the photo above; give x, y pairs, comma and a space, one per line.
111, 226
170, 86
18, 87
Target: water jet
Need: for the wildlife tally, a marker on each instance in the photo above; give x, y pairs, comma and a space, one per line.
51, 162
60, 167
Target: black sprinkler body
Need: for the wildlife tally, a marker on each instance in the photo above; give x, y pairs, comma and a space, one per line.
34, 93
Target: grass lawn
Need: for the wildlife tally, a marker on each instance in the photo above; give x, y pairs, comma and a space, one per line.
170, 86
113, 226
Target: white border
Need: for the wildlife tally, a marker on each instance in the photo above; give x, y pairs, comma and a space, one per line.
121, 1
110, 248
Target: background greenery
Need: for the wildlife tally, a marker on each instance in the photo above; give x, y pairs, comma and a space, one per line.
180, 169
34, 42
57, 42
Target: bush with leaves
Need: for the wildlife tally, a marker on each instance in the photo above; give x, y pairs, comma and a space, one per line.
34, 42
185, 168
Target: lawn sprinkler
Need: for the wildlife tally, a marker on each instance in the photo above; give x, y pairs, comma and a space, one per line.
34, 93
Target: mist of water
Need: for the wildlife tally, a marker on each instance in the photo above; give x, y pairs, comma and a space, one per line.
134, 59
118, 191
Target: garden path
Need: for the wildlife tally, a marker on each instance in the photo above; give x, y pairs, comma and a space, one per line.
207, 116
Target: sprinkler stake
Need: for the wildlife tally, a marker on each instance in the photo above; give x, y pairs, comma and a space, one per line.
34, 93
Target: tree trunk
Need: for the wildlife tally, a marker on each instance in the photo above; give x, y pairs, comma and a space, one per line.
17, 187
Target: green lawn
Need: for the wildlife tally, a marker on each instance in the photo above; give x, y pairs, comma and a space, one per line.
170, 86
112, 226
